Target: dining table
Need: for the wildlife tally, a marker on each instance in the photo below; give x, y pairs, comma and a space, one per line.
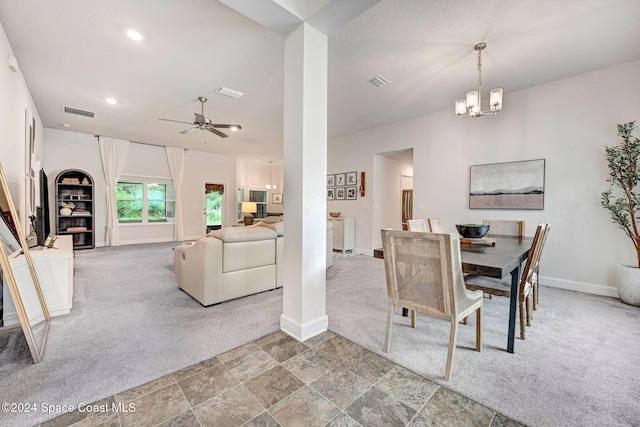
498, 257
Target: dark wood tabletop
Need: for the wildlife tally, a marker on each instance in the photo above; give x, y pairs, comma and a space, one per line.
495, 261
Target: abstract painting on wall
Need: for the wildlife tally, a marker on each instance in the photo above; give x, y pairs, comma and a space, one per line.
513, 185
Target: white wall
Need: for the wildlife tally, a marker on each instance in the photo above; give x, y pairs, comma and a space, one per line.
565, 122
72, 150
14, 100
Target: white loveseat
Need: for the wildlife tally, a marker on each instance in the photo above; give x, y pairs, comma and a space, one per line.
235, 261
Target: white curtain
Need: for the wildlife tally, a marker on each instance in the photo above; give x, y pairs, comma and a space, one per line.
113, 152
175, 158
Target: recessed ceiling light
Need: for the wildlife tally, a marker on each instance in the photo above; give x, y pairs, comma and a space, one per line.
66, 125
134, 35
378, 81
111, 101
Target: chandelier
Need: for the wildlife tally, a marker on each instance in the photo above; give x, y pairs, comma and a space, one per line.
269, 185
472, 105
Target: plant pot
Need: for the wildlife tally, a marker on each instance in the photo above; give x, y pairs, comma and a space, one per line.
65, 211
628, 281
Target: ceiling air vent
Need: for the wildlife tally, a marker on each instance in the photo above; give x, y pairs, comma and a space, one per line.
229, 92
378, 81
77, 112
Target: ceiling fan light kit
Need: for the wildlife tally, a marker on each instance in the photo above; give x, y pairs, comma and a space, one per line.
202, 123
471, 106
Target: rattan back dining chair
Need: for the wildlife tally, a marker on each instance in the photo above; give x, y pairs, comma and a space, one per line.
529, 276
435, 226
424, 275
504, 227
419, 225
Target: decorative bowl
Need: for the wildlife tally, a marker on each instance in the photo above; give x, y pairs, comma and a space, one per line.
334, 214
472, 231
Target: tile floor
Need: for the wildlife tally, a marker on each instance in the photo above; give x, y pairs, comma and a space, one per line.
278, 381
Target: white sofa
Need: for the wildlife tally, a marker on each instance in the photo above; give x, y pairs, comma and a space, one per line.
235, 261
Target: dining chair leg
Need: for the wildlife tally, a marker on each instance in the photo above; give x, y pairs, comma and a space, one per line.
387, 339
413, 319
529, 309
535, 296
452, 346
479, 329
522, 318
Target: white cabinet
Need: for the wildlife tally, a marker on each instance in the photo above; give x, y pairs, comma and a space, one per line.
344, 234
54, 267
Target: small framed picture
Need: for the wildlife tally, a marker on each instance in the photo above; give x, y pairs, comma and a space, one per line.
331, 193
352, 193
352, 178
276, 198
340, 192
340, 179
331, 180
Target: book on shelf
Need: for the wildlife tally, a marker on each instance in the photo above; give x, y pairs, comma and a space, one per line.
76, 228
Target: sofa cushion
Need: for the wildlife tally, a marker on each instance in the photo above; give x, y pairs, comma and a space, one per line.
278, 227
272, 219
243, 234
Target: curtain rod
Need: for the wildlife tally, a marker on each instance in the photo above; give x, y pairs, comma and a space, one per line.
146, 143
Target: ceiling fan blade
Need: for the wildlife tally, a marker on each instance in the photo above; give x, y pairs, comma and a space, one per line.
186, 131
225, 126
177, 121
217, 132
200, 118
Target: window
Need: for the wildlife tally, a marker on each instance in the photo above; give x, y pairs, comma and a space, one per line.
143, 201
240, 197
260, 197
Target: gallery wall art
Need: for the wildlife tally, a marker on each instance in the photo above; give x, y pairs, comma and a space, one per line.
343, 186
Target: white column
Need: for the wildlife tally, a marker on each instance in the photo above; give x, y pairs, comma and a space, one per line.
305, 165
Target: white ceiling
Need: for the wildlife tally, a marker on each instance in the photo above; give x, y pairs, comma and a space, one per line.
74, 53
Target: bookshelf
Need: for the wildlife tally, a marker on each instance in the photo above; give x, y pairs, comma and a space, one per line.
74, 207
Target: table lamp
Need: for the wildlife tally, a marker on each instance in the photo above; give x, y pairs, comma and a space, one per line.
247, 209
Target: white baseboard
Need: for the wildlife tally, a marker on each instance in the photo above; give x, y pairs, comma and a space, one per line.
11, 318
571, 285
306, 331
142, 241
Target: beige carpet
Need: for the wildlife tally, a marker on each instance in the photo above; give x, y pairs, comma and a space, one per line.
577, 367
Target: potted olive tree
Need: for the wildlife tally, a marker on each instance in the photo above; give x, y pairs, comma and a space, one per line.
622, 200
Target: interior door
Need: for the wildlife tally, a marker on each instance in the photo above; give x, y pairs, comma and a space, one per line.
407, 207
213, 205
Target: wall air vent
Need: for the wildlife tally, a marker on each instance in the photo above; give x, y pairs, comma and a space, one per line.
77, 112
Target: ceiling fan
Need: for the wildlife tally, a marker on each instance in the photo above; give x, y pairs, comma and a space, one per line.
202, 123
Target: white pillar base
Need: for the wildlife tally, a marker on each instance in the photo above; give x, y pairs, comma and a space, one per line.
306, 331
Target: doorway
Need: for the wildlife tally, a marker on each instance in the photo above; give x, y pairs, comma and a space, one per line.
407, 199
393, 172
213, 206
